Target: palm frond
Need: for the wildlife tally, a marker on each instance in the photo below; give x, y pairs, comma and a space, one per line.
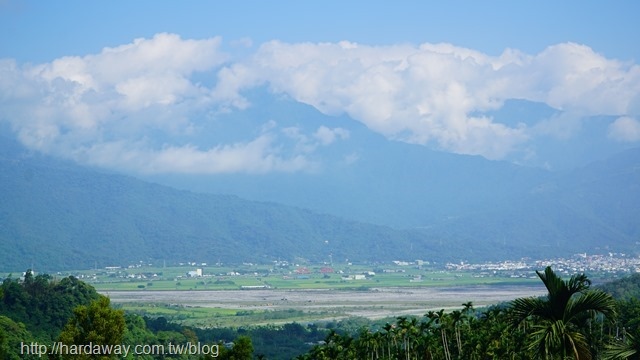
523, 308
629, 348
551, 281
593, 301
558, 317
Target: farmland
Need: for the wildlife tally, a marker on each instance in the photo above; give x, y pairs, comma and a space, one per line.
251, 294
193, 277
268, 306
206, 296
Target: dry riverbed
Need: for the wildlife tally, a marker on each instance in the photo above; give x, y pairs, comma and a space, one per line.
373, 303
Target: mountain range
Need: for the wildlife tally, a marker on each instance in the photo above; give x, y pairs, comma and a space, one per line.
368, 177
55, 214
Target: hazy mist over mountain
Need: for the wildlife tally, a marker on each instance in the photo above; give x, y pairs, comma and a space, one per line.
487, 137
365, 176
60, 216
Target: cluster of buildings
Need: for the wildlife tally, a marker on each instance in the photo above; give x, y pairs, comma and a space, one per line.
583, 263
613, 263
603, 265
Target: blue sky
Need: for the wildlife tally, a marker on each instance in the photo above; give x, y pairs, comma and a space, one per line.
44, 30
95, 80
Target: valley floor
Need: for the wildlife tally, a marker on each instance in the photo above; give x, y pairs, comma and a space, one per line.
372, 303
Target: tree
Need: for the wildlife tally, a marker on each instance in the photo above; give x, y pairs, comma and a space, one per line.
560, 319
242, 349
96, 324
439, 319
12, 334
626, 341
628, 348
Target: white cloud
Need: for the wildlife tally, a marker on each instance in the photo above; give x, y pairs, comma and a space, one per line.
560, 126
323, 136
625, 129
101, 109
351, 158
109, 108
428, 94
257, 156
327, 136
573, 77
91, 94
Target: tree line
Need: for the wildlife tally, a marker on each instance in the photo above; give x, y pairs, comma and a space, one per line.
573, 321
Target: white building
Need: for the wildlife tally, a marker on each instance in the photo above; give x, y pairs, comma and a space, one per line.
196, 273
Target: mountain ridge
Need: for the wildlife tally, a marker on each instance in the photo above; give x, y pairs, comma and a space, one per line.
57, 215
62, 216
366, 177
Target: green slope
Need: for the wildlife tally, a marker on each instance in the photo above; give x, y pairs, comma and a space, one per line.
593, 209
55, 215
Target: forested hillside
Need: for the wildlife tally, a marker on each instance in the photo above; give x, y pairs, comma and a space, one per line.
55, 215
37, 312
625, 288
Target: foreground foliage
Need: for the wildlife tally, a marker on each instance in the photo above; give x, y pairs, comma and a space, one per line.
41, 309
573, 321
560, 322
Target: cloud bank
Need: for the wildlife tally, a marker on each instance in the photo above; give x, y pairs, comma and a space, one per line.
137, 106
430, 94
625, 129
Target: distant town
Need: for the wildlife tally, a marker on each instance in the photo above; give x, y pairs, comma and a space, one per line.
610, 263
597, 266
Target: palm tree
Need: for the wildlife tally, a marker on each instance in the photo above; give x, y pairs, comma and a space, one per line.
428, 339
440, 320
390, 338
560, 318
467, 307
367, 344
628, 348
457, 317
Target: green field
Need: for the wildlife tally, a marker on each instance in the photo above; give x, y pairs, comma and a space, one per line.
206, 317
338, 277
292, 277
